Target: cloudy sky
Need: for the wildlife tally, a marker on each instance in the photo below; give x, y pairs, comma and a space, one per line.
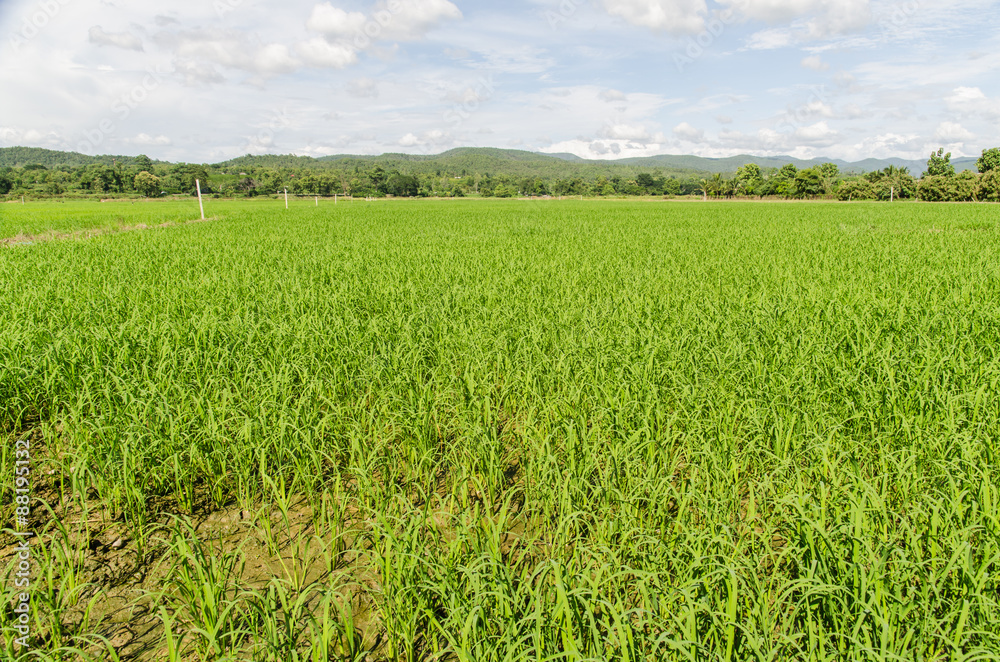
208, 80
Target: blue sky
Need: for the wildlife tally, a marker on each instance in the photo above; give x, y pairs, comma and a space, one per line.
210, 80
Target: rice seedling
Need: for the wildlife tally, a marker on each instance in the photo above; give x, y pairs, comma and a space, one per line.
490, 431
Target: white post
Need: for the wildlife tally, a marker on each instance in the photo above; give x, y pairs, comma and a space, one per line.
22, 199
892, 194
286, 199
200, 203
317, 201
334, 198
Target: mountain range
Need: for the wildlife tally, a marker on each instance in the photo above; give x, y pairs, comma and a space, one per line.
488, 160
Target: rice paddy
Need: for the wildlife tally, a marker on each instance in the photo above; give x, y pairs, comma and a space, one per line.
505, 430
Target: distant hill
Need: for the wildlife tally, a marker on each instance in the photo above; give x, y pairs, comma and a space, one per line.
18, 157
523, 163
487, 160
730, 164
469, 160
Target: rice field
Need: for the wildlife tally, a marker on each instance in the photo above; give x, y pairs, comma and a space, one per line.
504, 430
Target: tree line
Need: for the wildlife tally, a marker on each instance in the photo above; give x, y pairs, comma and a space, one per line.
140, 176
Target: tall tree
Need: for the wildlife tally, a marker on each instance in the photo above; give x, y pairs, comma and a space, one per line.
828, 173
147, 185
940, 165
989, 161
749, 179
808, 183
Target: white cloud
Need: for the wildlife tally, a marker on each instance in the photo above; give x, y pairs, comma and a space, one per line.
816, 108
852, 111
363, 88
773, 11
673, 16
883, 145
274, 59
146, 139
952, 132
196, 73
972, 101
603, 149
227, 48
802, 20
335, 22
686, 132
828, 17
319, 52
125, 40
815, 63
770, 39
412, 19
816, 133
632, 133
714, 102
611, 95
433, 140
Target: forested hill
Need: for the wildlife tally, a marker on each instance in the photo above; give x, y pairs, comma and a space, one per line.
482, 160
462, 161
19, 157
733, 163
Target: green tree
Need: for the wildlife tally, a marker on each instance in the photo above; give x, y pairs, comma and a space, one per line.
892, 183
809, 183
505, 191
645, 181
147, 185
717, 185
989, 161
183, 176
143, 162
749, 179
989, 187
403, 186
782, 182
6, 182
940, 165
828, 173
939, 188
857, 188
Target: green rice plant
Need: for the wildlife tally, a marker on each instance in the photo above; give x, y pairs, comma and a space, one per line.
202, 595
588, 430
